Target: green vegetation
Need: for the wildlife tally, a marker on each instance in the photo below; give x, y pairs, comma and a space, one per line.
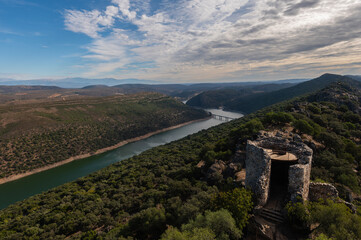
332, 219
248, 102
211, 225
238, 202
137, 197
161, 193
221, 97
36, 135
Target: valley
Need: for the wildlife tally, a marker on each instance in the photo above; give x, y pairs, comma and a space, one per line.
36, 183
168, 190
37, 134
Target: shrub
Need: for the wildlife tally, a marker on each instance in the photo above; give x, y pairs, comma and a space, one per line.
220, 222
279, 118
303, 126
314, 109
336, 220
248, 129
298, 214
151, 220
237, 201
195, 234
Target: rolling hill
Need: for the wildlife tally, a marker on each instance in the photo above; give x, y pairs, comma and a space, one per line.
36, 134
218, 98
252, 102
164, 192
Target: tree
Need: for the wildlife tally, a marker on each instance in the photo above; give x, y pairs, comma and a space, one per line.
220, 222
303, 126
195, 234
148, 221
238, 202
279, 118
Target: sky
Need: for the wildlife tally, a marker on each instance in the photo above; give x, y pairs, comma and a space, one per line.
179, 40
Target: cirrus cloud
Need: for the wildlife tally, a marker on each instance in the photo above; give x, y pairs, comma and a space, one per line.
205, 40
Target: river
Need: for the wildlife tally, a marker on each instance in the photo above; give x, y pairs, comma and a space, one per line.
20, 189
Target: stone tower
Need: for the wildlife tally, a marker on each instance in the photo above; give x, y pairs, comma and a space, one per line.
278, 163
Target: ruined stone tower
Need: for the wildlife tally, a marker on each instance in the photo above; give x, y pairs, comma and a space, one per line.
276, 164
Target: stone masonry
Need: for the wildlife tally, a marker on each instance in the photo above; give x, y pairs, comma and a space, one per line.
259, 162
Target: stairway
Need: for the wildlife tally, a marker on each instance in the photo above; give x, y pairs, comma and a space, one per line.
272, 215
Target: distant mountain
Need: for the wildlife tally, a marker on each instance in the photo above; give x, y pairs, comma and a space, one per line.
254, 102
291, 81
251, 101
74, 82
218, 98
83, 82
356, 77
73, 87
22, 88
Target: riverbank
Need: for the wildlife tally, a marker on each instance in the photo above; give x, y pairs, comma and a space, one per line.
100, 151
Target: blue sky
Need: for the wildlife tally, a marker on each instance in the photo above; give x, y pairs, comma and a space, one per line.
179, 40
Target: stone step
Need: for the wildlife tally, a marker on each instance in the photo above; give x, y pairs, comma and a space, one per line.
272, 215
275, 212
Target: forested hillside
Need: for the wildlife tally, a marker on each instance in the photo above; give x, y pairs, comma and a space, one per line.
218, 98
34, 135
164, 193
251, 102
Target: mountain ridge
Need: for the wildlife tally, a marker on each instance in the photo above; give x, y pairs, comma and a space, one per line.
253, 102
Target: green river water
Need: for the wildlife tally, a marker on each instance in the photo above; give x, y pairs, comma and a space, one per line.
18, 190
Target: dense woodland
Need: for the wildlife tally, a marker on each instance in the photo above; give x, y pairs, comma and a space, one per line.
263, 97
34, 135
221, 97
161, 193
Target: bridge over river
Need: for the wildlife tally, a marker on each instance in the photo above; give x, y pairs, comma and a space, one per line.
20, 189
222, 118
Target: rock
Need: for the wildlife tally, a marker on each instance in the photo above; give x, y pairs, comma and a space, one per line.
297, 138
350, 206
239, 158
261, 228
322, 191
240, 176
279, 134
214, 173
327, 191
201, 164
231, 170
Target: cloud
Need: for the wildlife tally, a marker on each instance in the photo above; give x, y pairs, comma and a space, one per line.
124, 7
87, 22
20, 2
217, 39
304, 4
9, 32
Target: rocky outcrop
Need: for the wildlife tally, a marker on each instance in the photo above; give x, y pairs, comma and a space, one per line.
220, 170
261, 228
214, 173
322, 191
327, 191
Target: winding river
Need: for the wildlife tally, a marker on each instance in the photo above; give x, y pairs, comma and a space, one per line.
18, 190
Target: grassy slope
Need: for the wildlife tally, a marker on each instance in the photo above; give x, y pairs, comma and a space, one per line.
165, 180
35, 135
